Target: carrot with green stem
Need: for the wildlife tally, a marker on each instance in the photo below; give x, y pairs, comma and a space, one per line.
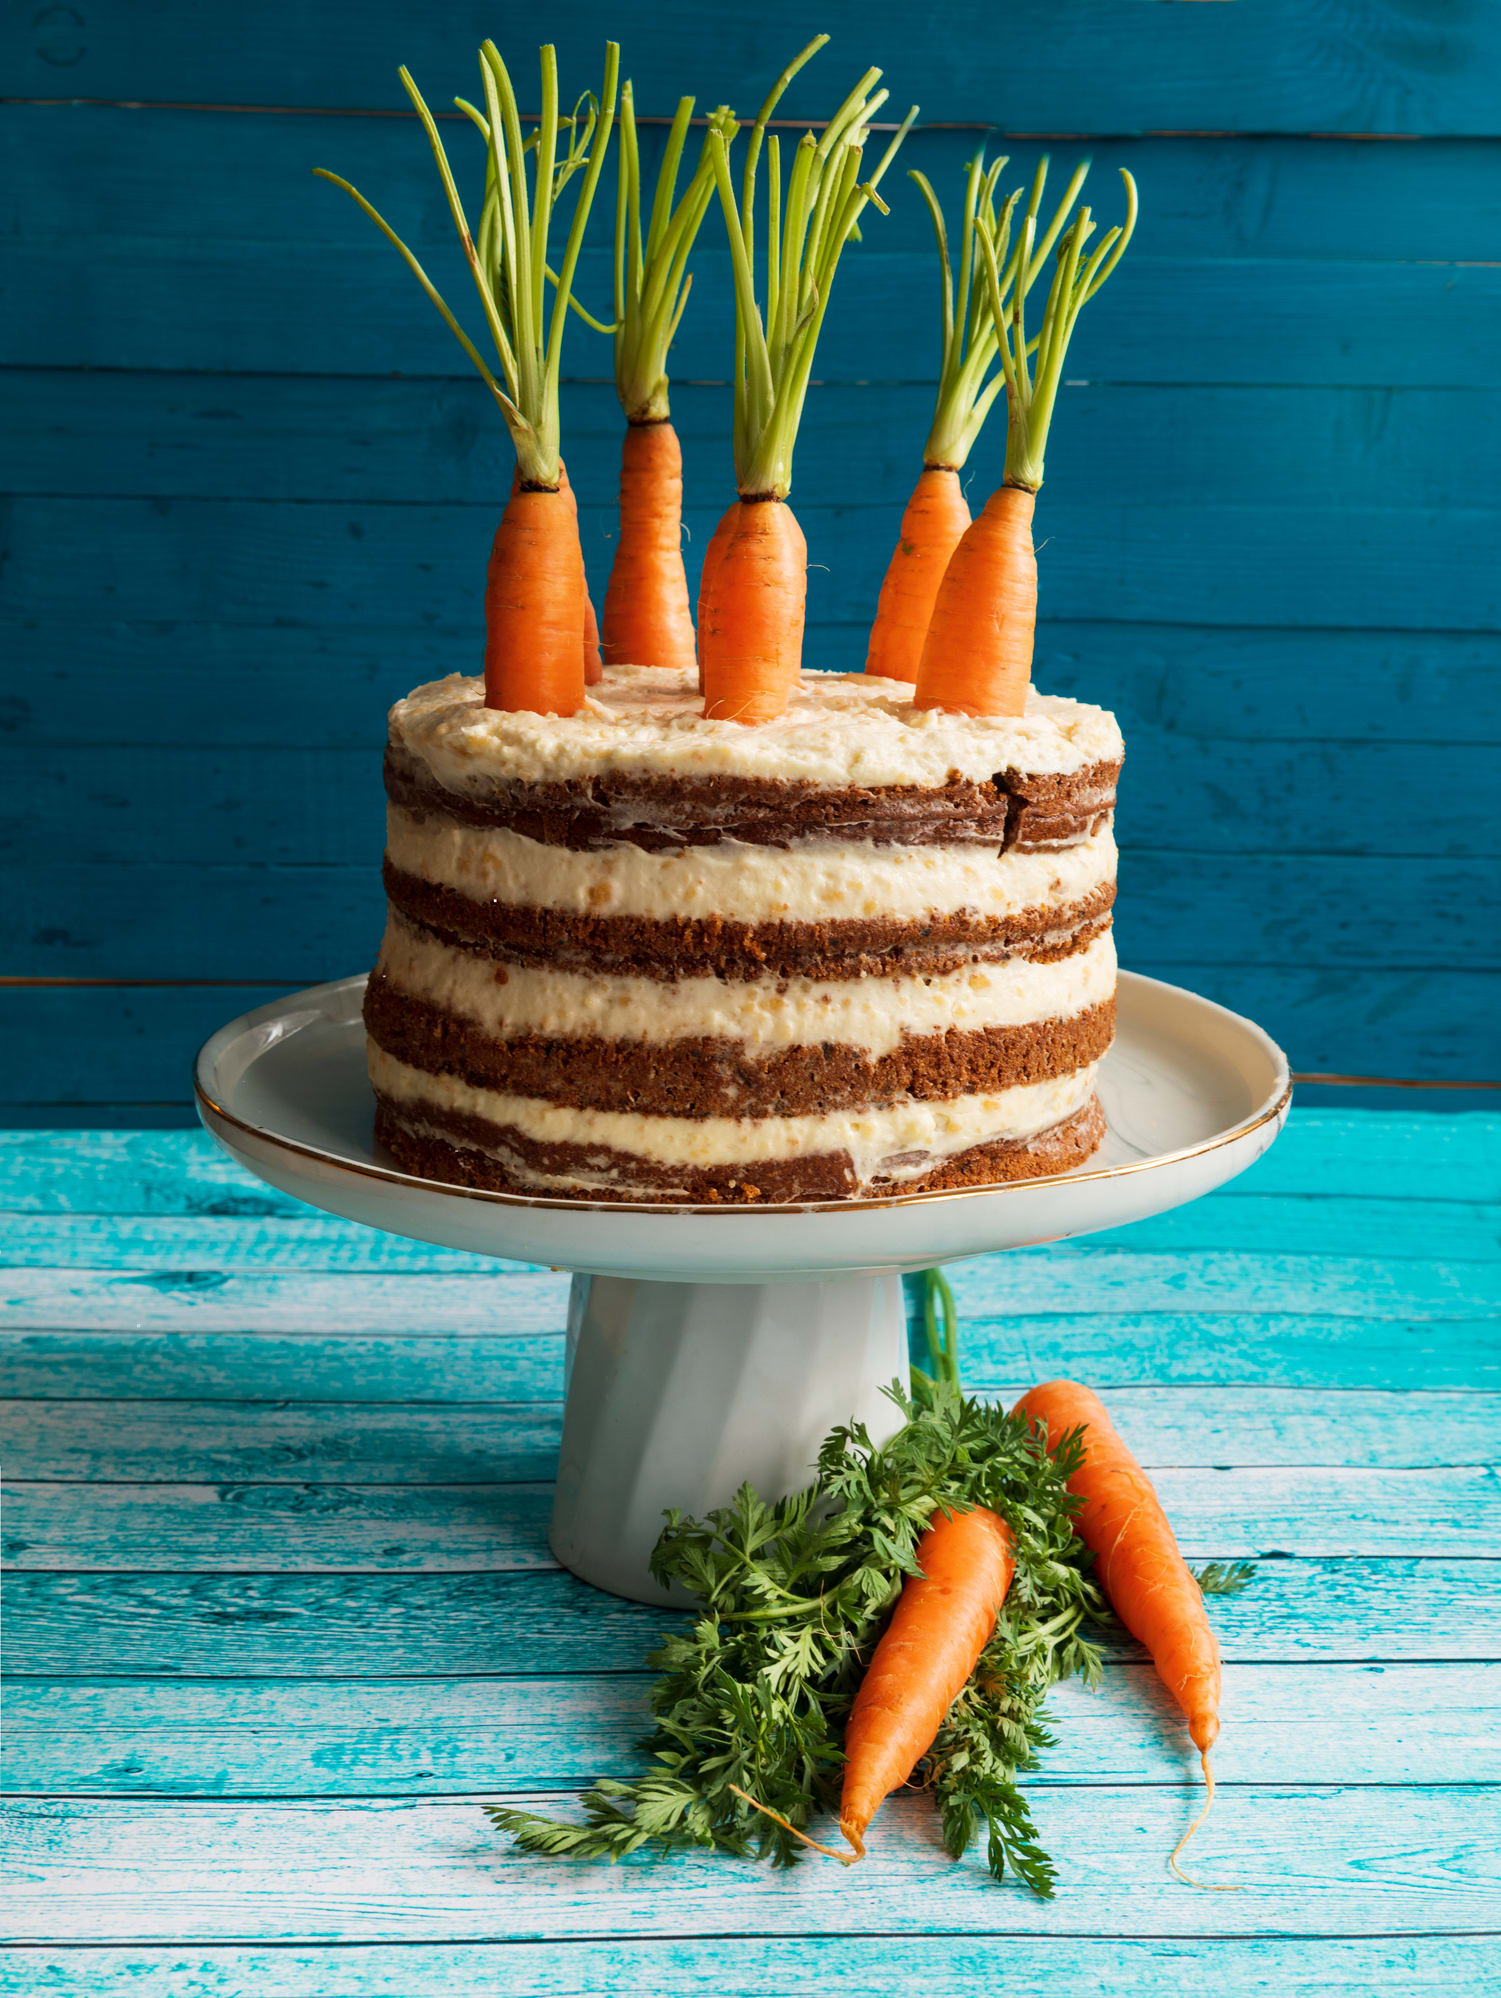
537, 608
1146, 1580
753, 589
977, 656
970, 379
647, 618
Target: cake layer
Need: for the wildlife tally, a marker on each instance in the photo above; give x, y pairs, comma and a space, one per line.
736, 883
670, 948
839, 730
761, 1015
1012, 808
698, 1076
461, 1148
895, 1140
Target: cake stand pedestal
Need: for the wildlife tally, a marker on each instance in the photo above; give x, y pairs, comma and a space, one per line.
710, 1345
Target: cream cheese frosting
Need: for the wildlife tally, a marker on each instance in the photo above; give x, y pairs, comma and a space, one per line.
899, 1141
763, 1015
839, 730
814, 881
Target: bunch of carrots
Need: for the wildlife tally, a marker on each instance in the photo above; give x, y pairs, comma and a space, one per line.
957, 610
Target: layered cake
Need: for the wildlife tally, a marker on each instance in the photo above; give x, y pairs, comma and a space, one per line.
635, 955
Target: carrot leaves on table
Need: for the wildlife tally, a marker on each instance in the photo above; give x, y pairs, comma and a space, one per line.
754, 1697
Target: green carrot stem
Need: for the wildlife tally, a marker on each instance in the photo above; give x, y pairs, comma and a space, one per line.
508, 254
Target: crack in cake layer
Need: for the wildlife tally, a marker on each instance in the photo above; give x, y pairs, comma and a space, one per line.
721, 1077
461, 1149
713, 946
1013, 809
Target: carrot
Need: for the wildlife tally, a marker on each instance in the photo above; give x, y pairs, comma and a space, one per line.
941, 1624
977, 654
647, 619
753, 591
969, 381
537, 610
932, 525
750, 612
534, 598
1146, 1579
977, 657
593, 665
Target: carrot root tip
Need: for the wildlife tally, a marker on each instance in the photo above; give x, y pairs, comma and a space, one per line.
1205, 1886
802, 1837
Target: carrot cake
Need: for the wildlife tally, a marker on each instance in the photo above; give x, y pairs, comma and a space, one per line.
636, 955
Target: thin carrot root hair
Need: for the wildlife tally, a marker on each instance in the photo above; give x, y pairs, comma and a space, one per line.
828, 1851
1206, 1886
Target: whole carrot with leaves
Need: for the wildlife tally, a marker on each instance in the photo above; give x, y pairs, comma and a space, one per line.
537, 611
977, 656
753, 590
647, 618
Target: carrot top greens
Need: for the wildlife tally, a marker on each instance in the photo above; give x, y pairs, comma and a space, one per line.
807, 228
507, 256
652, 280
754, 1696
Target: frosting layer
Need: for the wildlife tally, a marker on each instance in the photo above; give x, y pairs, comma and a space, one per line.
733, 882
840, 729
759, 1014
897, 1141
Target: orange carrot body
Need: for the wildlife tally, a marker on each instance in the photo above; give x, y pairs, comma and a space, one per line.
594, 665
977, 657
932, 526
534, 606
937, 1631
751, 603
647, 619
1141, 1571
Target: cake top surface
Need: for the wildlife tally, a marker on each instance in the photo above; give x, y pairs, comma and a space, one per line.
839, 729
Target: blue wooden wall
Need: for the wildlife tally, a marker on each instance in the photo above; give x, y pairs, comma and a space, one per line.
251, 489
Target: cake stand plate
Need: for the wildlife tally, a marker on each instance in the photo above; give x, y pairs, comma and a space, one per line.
708, 1345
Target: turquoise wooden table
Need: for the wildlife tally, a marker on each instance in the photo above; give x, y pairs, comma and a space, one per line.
280, 1614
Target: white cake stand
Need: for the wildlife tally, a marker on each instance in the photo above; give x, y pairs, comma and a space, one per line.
708, 1345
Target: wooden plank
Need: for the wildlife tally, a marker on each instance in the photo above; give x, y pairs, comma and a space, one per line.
333, 1626
1352, 66
1423, 1861
317, 563
447, 1442
291, 1367
434, 440
313, 1528
1063, 1277
1401, 1153
1435, 1231
1293, 1725
116, 806
1114, 1348
710, 1966
345, 308
229, 686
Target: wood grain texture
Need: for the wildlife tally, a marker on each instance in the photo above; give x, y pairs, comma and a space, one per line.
243, 1871
1355, 65
310, 1528
334, 1626
1289, 1724
711, 1966
443, 1441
